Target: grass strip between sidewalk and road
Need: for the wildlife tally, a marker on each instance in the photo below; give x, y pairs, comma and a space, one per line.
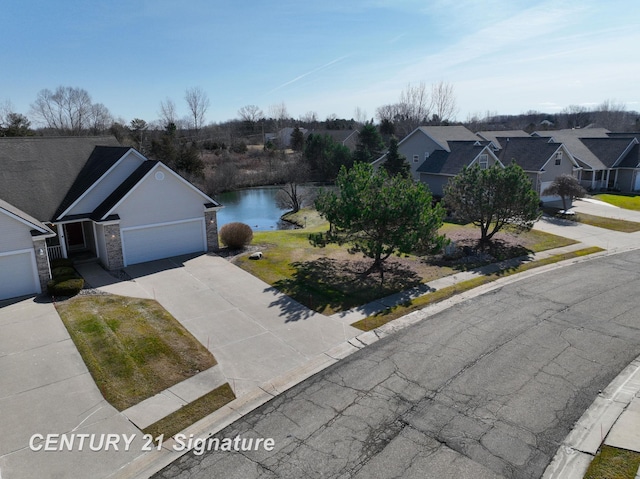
192, 412
372, 322
132, 347
613, 463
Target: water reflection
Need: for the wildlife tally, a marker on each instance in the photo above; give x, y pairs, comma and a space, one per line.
254, 206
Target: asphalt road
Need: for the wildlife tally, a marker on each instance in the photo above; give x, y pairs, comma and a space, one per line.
485, 389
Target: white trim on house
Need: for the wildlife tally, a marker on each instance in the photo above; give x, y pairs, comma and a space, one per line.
95, 183
27, 222
485, 151
152, 170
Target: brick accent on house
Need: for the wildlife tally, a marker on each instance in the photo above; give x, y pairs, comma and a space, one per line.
211, 223
42, 263
114, 247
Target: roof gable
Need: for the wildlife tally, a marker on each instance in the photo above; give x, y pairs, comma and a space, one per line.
442, 135
530, 153
128, 186
609, 150
461, 154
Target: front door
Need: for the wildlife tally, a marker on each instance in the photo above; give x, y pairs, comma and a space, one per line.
75, 236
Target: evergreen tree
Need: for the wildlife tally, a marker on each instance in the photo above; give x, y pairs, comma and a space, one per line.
395, 163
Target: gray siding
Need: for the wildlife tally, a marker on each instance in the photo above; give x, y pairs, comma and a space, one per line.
436, 183
15, 235
417, 144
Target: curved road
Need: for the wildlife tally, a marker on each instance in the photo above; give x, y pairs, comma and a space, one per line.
485, 389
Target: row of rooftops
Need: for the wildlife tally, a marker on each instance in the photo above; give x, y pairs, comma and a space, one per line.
591, 148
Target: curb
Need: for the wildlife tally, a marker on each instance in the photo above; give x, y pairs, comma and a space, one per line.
581, 445
150, 463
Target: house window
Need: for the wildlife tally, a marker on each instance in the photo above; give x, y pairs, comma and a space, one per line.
416, 158
558, 158
426, 155
483, 161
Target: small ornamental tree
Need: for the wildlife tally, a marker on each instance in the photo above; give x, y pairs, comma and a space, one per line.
492, 198
395, 163
378, 215
566, 187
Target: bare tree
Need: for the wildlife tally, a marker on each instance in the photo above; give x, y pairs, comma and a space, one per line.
576, 116
416, 104
443, 101
360, 115
309, 117
612, 115
67, 110
167, 112
100, 119
279, 113
198, 103
250, 113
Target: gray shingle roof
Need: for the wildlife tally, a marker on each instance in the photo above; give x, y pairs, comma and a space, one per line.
493, 135
529, 153
445, 134
608, 150
452, 162
36, 173
631, 159
571, 140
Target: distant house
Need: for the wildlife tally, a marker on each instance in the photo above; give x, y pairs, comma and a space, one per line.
65, 196
441, 165
541, 158
492, 136
348, 138
608, 160
422, 142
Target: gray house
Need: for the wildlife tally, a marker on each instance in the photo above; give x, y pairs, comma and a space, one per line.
65, 196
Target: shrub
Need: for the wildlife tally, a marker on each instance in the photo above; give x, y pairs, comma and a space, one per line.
61, 271
236, 235
68, 287
60, 262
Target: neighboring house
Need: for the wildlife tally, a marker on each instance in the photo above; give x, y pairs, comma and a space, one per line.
94, 197
442, 165
422, 142
541, 158
594, 172
348, 138
608, 160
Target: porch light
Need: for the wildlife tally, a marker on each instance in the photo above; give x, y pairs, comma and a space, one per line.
40, 252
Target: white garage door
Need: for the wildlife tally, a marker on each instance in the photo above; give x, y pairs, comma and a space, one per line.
18, 275
162, 241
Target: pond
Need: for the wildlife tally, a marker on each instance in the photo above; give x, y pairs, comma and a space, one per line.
253, 206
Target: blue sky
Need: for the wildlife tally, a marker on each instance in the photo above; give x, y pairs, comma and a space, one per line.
328, 56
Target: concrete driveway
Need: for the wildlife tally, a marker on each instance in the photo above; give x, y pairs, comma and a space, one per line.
255, 333
45, 388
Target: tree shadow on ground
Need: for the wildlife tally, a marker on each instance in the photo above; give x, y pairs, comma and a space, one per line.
470, 254
327, 285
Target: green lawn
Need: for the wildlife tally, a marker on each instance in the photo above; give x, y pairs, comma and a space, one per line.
630, 202
132, 347
613, 463
327, 280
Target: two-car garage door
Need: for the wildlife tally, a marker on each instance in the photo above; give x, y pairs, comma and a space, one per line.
18, 274
153, 242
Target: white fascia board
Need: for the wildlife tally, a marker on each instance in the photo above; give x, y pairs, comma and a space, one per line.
24, 221
88, 190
